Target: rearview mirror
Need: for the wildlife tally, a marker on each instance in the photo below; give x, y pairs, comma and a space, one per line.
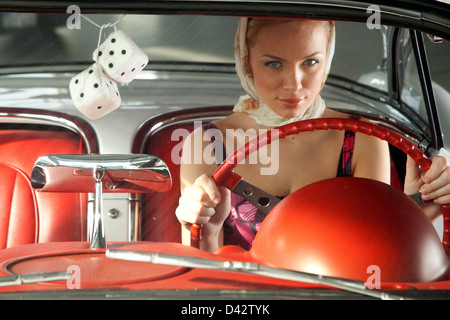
98, 174
122, 173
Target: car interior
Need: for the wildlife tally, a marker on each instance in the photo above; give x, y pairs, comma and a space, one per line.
183, 85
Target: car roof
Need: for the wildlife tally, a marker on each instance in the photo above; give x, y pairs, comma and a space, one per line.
427, 16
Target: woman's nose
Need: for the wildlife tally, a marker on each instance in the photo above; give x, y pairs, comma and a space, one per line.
293, 80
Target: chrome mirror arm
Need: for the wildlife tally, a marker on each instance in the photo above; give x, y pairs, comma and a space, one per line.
98, 240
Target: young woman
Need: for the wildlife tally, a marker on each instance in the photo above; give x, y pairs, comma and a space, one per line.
282, 66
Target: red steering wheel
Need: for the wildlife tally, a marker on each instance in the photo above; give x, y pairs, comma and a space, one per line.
225, 176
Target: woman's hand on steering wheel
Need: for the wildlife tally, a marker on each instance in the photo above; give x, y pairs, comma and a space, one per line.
434, 185
206, 204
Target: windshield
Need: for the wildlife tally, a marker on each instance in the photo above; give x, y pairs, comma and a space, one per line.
164, 38
190, 43
359, 54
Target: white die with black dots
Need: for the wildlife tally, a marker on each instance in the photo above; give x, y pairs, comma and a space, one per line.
120, 57
94, 93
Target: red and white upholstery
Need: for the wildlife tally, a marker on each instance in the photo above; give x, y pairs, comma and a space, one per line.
19, 218
28, 216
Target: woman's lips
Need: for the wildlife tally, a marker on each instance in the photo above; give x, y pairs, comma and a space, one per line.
292, 103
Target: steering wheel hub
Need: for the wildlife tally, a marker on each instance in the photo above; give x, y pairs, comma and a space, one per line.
344, 227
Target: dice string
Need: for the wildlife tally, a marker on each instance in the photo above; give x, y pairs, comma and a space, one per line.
105, 25
101, 27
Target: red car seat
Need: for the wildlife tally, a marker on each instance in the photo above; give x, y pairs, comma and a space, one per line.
61, 216
19, 219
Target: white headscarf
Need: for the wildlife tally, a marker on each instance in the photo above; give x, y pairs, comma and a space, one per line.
251, 103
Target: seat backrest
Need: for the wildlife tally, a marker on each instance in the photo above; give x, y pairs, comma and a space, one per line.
19, 218
162, 136
62, 216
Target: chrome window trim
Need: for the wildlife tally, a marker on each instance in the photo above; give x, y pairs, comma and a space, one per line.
158, 122
35, 116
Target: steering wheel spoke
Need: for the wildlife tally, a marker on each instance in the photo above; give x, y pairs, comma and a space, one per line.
259, 198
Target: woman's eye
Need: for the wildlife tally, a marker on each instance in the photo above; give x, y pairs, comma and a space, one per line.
311, 62
273, 64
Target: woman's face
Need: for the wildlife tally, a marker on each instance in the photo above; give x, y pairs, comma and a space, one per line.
288, 62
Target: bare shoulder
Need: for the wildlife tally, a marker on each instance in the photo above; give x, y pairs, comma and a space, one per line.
196, 158
336, 114
330, 113
199, 155
234, 121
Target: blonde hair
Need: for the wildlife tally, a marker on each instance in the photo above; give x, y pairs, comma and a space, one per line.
255, 24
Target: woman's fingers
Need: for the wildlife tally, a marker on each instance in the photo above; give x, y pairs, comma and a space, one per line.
198, 202
413, 178
436, 180
197, 193
438, 166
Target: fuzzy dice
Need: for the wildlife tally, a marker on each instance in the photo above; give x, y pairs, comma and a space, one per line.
120, 57
93, 93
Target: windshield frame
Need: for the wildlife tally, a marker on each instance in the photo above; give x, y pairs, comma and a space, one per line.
428, 17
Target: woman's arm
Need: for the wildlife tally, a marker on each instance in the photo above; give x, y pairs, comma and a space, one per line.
201, 201
371, 158
372, 161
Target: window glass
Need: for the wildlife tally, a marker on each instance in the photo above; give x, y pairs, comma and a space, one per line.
361, 54
439, 63
409, 80
163, 38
